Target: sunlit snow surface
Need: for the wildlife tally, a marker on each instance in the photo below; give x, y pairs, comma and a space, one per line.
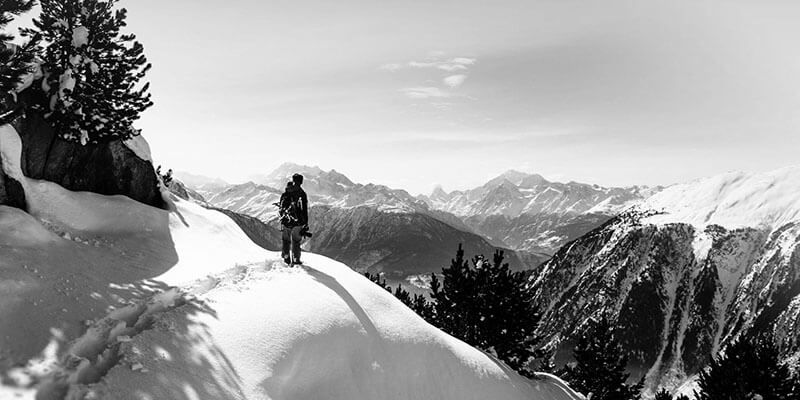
103, 297
732, 200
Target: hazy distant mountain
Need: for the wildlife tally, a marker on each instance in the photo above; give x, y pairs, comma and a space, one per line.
370, 227
323, 188
203, 185
685, 272
527, 212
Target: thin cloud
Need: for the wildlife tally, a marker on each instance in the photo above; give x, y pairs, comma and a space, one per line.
449, 65
391, 67
425, 92
454, 81
450, 74
463, 60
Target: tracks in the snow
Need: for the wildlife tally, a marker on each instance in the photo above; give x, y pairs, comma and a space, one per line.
91, 356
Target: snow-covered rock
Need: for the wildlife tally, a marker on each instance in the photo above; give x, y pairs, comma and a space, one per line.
108, 168
140, 147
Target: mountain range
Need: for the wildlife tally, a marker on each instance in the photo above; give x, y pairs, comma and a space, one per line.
527, 212
380, 229
683, 273
370, 227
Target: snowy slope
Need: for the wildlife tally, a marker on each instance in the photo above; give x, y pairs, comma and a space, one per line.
320, 331
103, 297
732, 200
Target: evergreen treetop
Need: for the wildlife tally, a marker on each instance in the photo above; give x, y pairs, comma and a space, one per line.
15, 61
92, 70
488, 306
749, 368
600, 365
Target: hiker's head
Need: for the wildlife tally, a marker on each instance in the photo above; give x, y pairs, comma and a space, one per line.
289, 184
297, 179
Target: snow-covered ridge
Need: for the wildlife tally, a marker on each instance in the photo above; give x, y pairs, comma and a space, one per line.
732, 200
107, 298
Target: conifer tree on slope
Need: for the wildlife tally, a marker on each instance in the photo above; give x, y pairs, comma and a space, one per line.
600, 365
488, 306
15, 61
92, 70
749, 368
663, 394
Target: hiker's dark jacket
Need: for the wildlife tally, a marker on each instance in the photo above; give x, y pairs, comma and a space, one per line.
294, 207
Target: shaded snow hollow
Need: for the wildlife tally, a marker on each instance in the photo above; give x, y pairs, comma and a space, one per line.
106, 298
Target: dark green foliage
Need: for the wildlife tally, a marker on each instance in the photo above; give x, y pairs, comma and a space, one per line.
683, 397
93, 84
748, 368
663, 394
484, 304
600, 365
15, 61
488, 306
166, 178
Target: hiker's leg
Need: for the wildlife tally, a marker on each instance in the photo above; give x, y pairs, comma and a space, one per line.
296, 239
286, 238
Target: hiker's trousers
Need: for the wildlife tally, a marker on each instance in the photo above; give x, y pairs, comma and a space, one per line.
291, 240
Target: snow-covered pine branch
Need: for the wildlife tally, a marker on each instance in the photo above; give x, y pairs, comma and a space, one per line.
93, 72
16, 62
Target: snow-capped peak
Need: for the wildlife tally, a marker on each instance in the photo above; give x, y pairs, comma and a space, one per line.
732, 200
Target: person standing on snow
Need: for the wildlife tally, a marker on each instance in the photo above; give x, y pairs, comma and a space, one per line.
294, 219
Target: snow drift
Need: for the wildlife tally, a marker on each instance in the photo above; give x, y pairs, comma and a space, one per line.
104, 297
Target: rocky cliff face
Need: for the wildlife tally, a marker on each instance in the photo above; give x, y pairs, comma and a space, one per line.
110, 168
11, 192
678, 287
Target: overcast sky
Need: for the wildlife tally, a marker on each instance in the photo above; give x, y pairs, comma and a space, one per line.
414, 93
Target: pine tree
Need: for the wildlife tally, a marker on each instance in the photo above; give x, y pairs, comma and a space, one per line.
663, 394
15, 61
749, 368
488, 306
92, 70
600, 365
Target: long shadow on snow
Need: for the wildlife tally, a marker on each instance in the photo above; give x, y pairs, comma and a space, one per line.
178, 345
50, 285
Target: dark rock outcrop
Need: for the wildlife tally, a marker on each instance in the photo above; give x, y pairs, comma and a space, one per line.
11, 192
109, 168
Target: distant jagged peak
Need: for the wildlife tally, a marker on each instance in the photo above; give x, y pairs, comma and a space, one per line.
285, 171
517, 178
196, 180
732, 200
439, 193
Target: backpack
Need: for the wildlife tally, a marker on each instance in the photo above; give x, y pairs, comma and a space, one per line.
290, 209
